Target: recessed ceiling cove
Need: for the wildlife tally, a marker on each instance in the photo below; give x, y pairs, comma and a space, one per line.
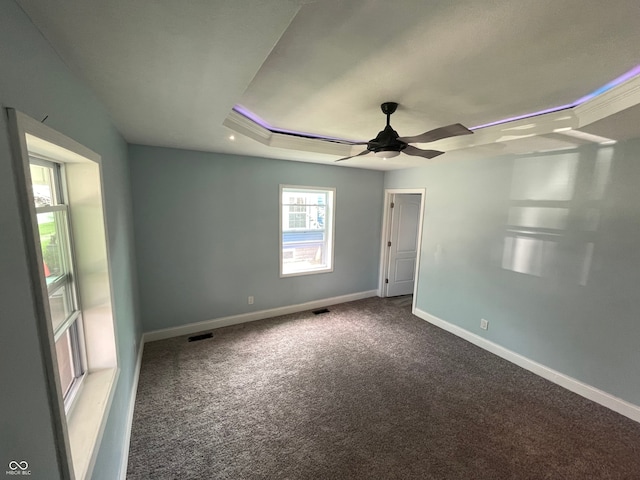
442, 61
171, 72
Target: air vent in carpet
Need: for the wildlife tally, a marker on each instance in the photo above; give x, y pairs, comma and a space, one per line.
322, 310
195, 338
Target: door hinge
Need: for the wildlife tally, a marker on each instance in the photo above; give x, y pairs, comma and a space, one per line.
386, 280
393, 204
388, 244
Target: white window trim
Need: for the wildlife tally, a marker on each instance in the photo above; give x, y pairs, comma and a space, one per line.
78, 433
329, 228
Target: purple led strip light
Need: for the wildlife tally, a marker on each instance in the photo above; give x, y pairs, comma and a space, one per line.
613, 83
256, 119
617, 81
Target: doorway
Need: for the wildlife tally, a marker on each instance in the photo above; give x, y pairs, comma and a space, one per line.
401, 239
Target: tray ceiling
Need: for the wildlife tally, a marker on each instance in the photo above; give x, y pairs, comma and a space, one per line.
170, 72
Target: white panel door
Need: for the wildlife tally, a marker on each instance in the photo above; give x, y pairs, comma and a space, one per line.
405, 218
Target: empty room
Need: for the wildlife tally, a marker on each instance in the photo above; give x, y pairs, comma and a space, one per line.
318, 239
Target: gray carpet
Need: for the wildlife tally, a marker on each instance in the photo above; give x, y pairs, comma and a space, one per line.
367, 391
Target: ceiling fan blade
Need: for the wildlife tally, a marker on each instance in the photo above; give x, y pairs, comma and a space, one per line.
359, 154
438, 134
416, 152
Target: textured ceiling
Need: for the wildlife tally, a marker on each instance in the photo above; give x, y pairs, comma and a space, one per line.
169, 72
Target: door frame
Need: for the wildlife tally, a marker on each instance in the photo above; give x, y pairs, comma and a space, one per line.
386, 231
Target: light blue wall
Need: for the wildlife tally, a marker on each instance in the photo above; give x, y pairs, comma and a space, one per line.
206, 230
566, 294
35, 81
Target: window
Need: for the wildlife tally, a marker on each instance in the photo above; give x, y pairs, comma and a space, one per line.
62, 208
54, 237
306, 230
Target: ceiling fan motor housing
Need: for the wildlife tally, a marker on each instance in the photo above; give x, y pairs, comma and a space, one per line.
386, 141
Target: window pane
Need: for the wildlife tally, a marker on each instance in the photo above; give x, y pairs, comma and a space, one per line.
44, 193
316, 217
303, 250
51, 227
60, 306
65, 361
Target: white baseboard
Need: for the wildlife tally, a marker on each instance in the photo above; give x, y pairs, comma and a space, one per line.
132, 404
599, 396
252, 316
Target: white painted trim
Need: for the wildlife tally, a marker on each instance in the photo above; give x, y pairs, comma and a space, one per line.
252, 316
242, 125
88, 420
52, 144
132, 404
19, 126
245, 126
619, 98
282, 140
576, 386
382, 268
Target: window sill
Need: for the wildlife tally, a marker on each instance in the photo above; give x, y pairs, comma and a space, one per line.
87, 419
306, 272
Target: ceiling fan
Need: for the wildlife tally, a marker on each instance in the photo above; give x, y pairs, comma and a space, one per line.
389, 144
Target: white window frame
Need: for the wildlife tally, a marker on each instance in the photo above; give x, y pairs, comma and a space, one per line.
73, 323
329, 237
77, 432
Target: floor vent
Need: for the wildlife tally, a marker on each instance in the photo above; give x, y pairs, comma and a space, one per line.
322, 310
195, 338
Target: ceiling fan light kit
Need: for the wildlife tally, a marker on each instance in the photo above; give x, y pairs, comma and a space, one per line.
389, 144
387, 154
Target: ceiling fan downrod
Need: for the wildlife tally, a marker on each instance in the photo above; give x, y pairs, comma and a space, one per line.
388, 108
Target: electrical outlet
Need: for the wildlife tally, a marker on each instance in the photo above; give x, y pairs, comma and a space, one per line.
484, 324
251, 300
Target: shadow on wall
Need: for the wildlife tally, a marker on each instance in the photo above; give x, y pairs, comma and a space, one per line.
554, 213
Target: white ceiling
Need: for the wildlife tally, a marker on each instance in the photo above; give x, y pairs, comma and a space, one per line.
170, 71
